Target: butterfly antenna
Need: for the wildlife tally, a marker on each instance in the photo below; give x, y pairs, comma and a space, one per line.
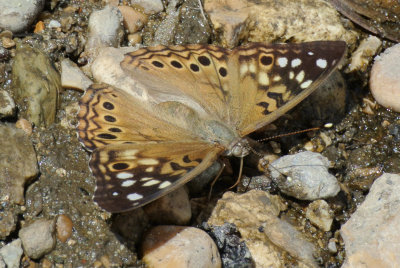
215, 180
240, 174
290, 134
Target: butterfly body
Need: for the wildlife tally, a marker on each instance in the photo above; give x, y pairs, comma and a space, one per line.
207, 100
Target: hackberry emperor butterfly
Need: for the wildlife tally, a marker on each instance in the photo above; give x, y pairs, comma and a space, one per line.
209, 99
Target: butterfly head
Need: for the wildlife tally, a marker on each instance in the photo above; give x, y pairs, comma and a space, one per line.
239, 148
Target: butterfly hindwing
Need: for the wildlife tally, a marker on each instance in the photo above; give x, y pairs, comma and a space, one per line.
131, 175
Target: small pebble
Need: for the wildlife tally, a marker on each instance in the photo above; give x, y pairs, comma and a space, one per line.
38, 238
105, 28
135, 38
7, 42
39, 27
25, 125
304, 176
149, 6
11, 254
7, 105
332, 245
320, 214
133, 20
54, 24
72, 76
64, 227
17, 16
385, 80
179, 247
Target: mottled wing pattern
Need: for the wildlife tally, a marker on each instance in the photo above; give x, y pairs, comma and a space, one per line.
112, 116
195, 74
273, 78
132, 175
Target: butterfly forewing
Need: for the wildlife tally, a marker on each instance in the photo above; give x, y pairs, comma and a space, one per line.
273, 78
131, 175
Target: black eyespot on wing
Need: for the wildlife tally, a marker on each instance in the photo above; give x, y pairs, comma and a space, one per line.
110, 118
108, 105
222, 71
107, 136
157, 64
115, 129
120, 166
194, 67
204, 60
266, 60
176, 64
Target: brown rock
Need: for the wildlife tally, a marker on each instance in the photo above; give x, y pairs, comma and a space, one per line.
133, 20
64, 227
179, 247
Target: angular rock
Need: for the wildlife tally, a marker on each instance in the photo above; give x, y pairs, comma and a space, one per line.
133, 19
36, 84
372, 233
17, 16
255, 215
38, 238
179, 247
105, 28
11, 253
272, 20
7, 105
304, 176
18, 163
72, 76
320, 214
149, 6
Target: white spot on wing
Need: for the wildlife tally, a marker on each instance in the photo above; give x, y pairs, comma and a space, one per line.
146, 178
291, 75
282, 62
134, 196
306, 84
310, 53
149, 169
295, 63
164, 184
128, 183
252, 68
263, 79
321, 63
152, 182
148, 161
124, 175
243, 69
114, 193
300, 76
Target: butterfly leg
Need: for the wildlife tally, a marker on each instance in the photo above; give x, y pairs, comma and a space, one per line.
215, 180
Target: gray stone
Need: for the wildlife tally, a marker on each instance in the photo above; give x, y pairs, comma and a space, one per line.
7, 105
372, 233
72, 76
11, 254
18, 163
304, 176
38, 238
36, 84
105, 28
149, 6
17, 16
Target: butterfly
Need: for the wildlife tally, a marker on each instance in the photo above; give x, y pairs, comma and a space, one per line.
208, 98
